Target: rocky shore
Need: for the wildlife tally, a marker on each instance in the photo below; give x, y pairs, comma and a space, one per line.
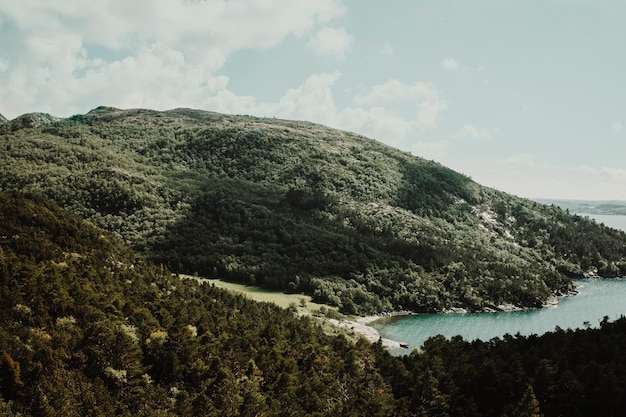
362, 326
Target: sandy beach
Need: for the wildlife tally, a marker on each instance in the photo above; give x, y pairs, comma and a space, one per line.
362, 327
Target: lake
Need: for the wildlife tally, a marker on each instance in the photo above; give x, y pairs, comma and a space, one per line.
596, 299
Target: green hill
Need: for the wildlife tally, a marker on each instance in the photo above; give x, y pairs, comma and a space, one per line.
301, 207
89, 328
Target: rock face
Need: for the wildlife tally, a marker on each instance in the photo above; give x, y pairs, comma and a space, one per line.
33, 120
26, 121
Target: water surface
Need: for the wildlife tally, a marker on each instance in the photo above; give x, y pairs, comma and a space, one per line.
610, 220
596, 298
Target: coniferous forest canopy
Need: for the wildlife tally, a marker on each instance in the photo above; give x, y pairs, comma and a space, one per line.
90, 328
94, 320
300, 207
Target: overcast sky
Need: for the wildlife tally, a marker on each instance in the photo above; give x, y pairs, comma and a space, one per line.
528, 97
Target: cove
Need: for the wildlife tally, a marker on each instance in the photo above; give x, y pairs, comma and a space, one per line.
596, 299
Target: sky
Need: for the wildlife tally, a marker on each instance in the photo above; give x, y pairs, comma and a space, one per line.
525, 96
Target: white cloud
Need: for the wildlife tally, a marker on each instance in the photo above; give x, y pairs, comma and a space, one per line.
314, 101
617, 127
472, 132
332, 42
522, 159
449, 64
119, 24
426, 98
378, 123
435, 150
394, 90
63, 57
601, 174
379, 101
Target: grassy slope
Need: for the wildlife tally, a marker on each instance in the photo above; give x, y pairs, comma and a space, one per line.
298, 206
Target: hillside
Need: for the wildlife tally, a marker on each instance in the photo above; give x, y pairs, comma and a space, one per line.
305, 208
89, 328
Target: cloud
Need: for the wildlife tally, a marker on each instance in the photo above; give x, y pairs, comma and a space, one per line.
231, 25
333, 42
434, 150
522, 159
472, 132
427, 103
449, 64
394, 90
603, 173
314, 101
617, 127
62, 57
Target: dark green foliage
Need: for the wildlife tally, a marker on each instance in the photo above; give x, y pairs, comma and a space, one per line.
88, 328
303, 208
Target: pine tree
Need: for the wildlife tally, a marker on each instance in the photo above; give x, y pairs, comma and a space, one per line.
528, 405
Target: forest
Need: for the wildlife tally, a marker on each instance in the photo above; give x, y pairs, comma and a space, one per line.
303, 208
88, 327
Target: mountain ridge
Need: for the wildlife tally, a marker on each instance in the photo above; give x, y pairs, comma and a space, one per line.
303, 207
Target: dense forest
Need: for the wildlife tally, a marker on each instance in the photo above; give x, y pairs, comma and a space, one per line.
304, 208
90, 328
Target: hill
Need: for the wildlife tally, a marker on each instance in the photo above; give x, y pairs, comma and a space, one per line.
89, 328
301, 207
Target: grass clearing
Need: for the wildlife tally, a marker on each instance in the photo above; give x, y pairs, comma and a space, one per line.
303, 303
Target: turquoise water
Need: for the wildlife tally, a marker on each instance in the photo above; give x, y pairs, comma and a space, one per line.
596, 298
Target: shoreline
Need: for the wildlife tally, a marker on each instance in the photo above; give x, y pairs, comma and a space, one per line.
363, 325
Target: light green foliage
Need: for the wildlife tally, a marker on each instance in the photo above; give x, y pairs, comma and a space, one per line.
300, 207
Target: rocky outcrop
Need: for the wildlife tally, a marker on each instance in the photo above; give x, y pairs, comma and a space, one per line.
32, 120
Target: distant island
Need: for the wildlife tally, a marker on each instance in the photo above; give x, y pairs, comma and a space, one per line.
604, 207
